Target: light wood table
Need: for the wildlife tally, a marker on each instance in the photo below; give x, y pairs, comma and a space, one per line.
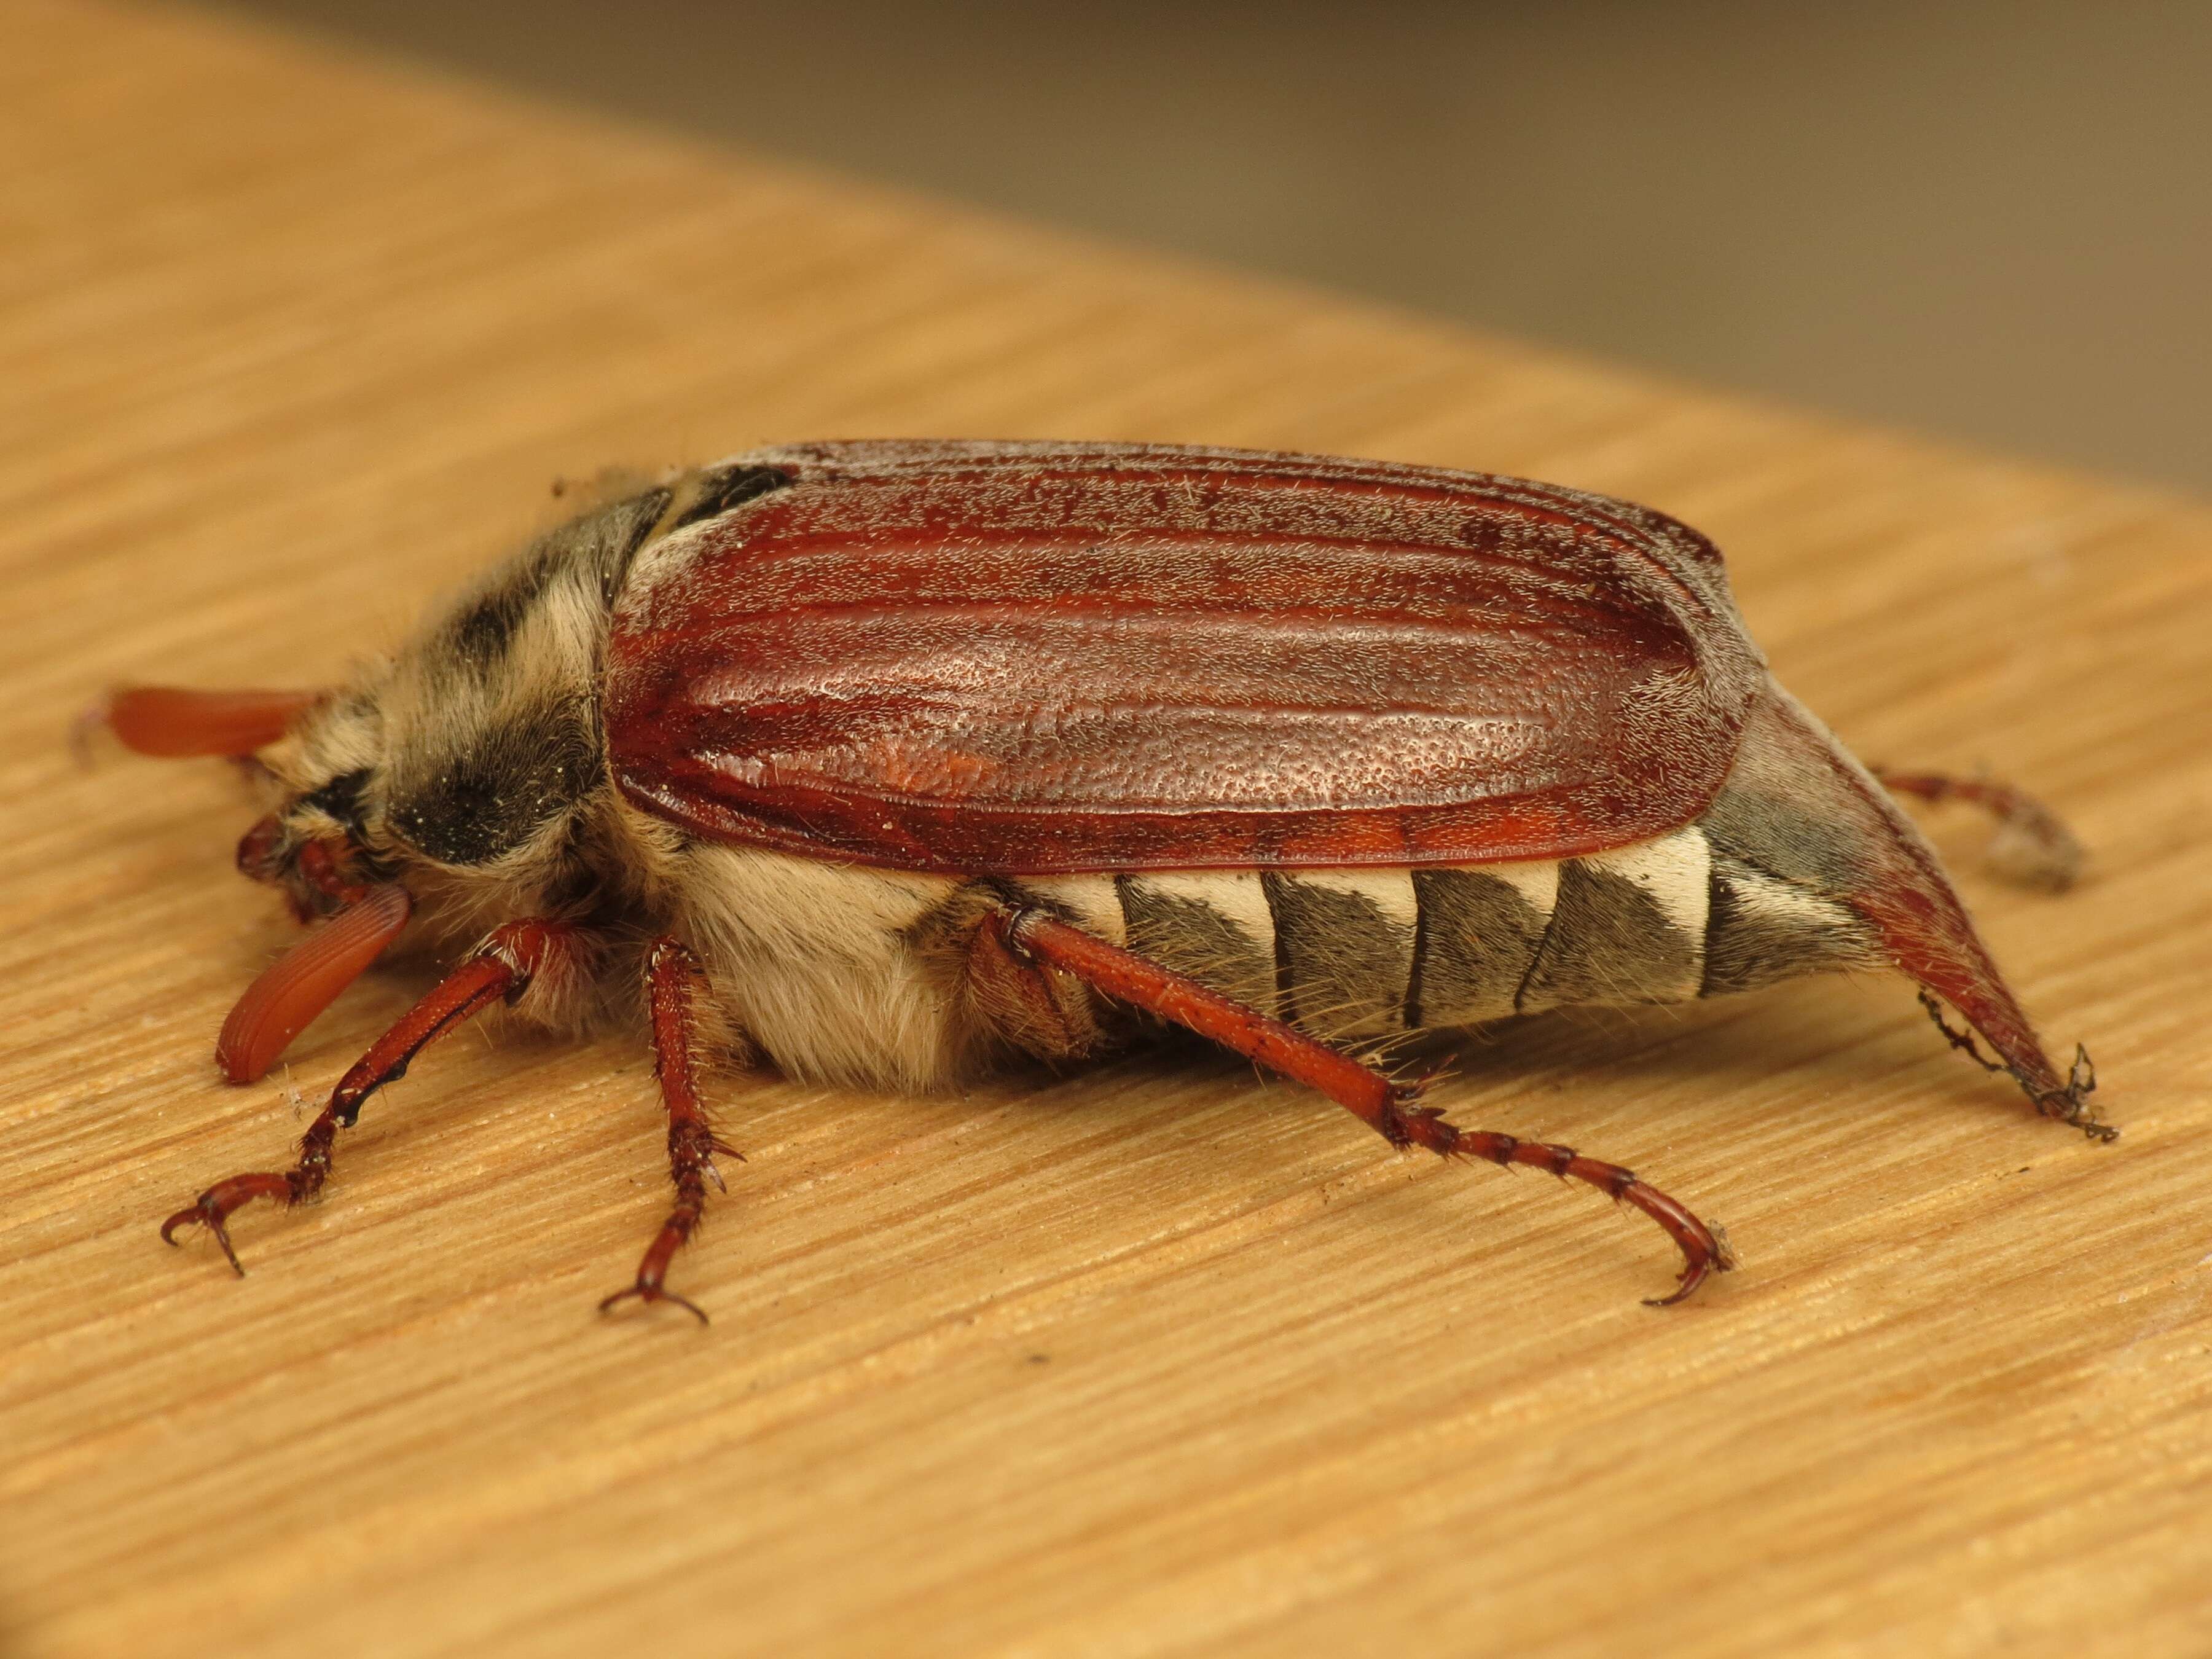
1159, 1359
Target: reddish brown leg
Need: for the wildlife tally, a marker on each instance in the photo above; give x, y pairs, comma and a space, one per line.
501, 969
1043, 1013
672, 979
2032, 845
1387, 1107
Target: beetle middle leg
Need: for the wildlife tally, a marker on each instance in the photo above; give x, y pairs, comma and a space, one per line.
514, 957
1391, 1108
672, 993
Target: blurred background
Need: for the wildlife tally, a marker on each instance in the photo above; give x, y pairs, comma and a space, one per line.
1990, 221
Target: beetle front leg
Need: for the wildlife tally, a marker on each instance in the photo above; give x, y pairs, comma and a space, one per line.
672, 991
501, 969
1390, 1108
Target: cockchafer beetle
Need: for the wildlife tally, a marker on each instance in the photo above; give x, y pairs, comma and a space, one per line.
894, 760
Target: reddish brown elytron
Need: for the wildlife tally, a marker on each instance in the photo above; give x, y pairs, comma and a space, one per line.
974, 747
967, 658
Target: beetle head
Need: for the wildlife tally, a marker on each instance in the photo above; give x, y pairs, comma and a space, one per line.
452, 770
325, 840
436, 788
455, 784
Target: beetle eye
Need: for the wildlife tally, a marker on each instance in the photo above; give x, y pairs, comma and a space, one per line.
340, 799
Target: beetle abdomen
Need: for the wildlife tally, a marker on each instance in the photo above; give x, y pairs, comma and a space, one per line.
1367, 952
1762, 888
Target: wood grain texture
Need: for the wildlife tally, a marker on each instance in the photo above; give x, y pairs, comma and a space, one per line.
1157, 1358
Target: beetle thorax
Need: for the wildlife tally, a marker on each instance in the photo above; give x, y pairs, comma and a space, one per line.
469, 766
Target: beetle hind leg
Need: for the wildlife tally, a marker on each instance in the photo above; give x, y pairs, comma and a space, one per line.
1391, 1108
1046, 1014
673, 994
2032, 845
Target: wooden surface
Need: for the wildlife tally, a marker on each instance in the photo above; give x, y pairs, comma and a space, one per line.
1160, 1358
